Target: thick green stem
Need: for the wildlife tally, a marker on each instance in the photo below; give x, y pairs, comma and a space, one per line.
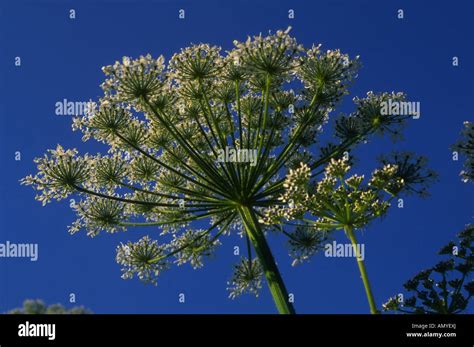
363, 273
264, 254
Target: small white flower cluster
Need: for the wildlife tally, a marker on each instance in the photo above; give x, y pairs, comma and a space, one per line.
104, 123
247, 278
109, 170
369, 112
367, 206
337, 168
193, 247
336, 200
296, 182
327, 74
97, 214
58, 172
145, 259
143, 170
378, 98
147, 208
198, 62
333, 202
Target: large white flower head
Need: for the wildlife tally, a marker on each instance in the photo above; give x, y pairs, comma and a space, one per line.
208, 137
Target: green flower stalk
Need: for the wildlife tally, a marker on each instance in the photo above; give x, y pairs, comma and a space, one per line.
207, 136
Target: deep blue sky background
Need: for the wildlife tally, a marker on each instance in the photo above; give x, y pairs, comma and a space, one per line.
61, 58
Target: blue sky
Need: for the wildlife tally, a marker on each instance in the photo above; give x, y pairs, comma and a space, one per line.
61, 58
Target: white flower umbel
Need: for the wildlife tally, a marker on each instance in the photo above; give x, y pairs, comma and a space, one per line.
247, 278
164, 125
144, 259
